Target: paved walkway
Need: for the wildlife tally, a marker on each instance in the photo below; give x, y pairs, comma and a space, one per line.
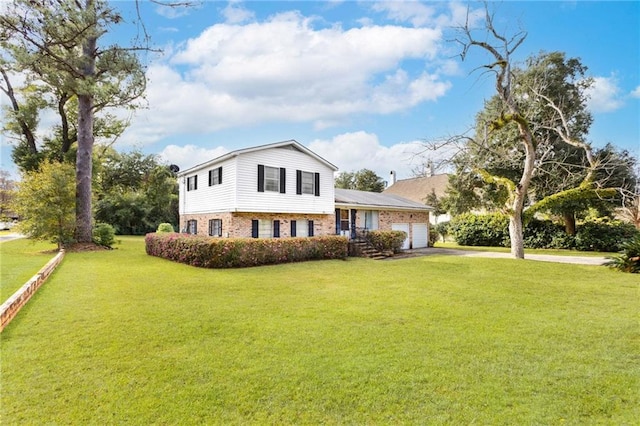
581, 260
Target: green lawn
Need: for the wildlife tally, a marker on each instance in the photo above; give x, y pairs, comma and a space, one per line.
19, 261
117, 337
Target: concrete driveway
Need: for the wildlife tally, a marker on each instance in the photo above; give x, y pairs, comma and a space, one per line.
9, 237
580, 260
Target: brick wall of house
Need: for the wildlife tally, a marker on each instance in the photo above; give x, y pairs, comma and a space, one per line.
238, 225
387, 218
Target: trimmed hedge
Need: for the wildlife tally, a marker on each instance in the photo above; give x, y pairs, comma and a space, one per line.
492, 230
387, 240
210, 252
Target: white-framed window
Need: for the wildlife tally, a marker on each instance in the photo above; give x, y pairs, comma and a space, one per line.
272, 179
261, 228
192, 183
371, 220
302, 228
308, 183
215, 227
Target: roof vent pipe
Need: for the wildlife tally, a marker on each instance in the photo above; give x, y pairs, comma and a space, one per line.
392, 177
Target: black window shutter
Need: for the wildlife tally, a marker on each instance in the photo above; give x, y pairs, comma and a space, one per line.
283, 185
276, 228
260, 178
298, 182
254, 228
317, 184
220, 175
311, 228
195, 182
210, 177
293, 228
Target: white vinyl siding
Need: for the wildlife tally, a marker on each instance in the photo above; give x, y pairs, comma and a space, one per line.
238, 191
251, 200
210, 199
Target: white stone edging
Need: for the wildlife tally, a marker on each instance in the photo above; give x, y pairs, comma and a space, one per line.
10, 308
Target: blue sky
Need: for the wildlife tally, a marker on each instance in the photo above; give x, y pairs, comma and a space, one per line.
361, 83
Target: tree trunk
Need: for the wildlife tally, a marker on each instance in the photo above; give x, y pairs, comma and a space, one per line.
570, 223
516, 235
84, 169
84, 213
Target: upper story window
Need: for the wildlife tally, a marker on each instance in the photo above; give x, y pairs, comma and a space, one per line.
215, 176
192, 183
307, 183
271, 179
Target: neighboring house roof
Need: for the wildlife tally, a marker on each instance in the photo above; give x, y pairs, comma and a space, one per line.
290, 144
376, 201
417, 189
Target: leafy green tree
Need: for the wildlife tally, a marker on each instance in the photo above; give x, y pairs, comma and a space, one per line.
56, 43
7, 187
362, 180
45, 200
136, 192
535, 124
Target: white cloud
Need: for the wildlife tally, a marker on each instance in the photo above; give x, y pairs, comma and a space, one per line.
361, 150
235, 13
604, 95
285, 70
636, 92
189, 155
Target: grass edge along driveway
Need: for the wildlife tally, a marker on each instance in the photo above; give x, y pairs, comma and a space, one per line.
121, 337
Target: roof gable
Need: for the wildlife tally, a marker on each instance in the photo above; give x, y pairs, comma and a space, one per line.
417, 189
290, 144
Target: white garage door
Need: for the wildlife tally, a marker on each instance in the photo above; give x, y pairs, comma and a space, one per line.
402, 227
420, 235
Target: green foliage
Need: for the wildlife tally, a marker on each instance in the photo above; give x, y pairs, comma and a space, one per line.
45, 201
481, 230
604, 235
629, 258
209, 252
165, 227
362, 180
387, 240
136, 193
104, 235
546, 234
442, 229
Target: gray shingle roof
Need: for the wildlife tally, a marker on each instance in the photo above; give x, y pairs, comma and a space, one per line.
375, 200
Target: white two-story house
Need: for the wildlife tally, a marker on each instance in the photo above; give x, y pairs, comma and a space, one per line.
285, 190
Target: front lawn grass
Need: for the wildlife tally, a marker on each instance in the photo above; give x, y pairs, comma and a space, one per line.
118, 337
20, 260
